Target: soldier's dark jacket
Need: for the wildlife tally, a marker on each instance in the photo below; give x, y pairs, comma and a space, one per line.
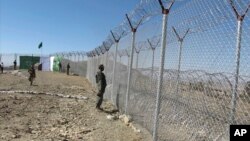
32, 72
101, 81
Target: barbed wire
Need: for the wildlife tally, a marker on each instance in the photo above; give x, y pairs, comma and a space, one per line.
198, 81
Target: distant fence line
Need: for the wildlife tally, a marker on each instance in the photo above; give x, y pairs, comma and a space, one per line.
179, 68
77, 60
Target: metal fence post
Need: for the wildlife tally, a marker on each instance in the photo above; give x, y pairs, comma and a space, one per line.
94, 70
128, 61
78, 60
153, 47
114, 72
133, 29
179, 66
129, 70
160, 78
236, 75
165, 13
181, 40
106, 61
90, 67
137, 59
153, 60
75, 61
87, 73
116, 39
240, 19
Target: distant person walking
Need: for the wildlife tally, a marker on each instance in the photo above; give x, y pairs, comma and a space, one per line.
14, 65
68, 67
32, 73
60, 66
101, 85
2, 67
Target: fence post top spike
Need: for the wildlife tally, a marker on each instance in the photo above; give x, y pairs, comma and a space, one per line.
165, 11
161, 4
238, 16
113, 35
130, 24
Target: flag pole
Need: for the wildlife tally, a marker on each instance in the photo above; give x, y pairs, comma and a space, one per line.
41, 55
40, 46
31, 60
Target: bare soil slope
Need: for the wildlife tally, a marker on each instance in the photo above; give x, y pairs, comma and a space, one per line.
42, 117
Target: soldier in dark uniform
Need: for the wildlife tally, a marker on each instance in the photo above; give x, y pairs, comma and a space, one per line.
101, 85
68, 66
60, 66
32, 73
2, 67
14, 65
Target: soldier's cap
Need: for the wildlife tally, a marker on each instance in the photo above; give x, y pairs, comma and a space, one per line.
101, 66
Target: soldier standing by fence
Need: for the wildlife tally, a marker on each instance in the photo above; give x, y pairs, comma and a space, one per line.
14, 64
2, 67
60, 66
101, 85
68, 67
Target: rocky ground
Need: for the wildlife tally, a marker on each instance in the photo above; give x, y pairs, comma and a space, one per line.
58, 107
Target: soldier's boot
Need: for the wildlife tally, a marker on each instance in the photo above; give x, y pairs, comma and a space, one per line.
31, 81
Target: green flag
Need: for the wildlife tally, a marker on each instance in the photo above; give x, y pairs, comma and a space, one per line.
40, 45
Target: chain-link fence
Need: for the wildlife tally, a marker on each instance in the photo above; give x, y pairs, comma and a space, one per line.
77, 61
9, 59
183, 74
179, 68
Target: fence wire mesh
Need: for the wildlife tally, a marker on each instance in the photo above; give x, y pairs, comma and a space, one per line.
205, 85
77, 60
8, 59
202, 93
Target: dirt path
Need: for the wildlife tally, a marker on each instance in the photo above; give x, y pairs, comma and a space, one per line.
42, 117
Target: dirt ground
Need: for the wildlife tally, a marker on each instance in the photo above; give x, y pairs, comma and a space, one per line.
40, 117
